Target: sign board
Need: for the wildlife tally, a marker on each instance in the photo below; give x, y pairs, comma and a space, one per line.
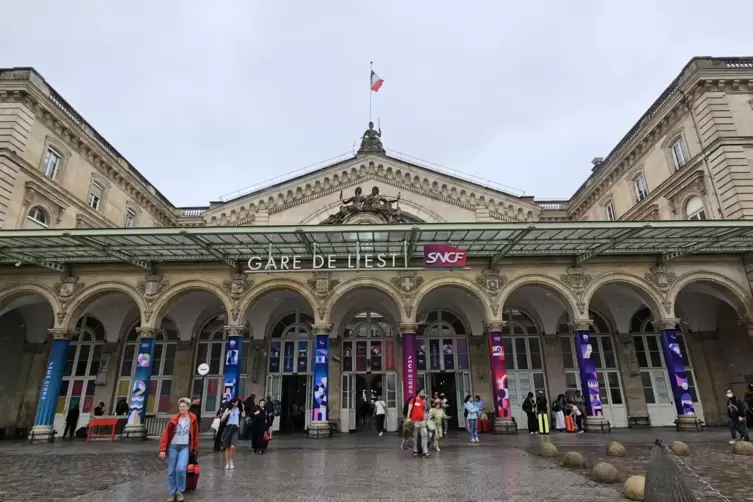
203, 369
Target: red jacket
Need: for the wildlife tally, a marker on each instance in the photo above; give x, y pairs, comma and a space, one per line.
169, 432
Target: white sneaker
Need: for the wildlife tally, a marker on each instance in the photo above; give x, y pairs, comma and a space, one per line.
227, 466
232, 466
380, 434
732, 441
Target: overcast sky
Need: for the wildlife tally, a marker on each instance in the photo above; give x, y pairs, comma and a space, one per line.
206, 98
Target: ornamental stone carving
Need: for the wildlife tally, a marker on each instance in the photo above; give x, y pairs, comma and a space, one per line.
407, 282
152, 286
66, 289
494, 326
322, 283
374, 204
661, 278
492, 281
322, 311
371, 141
581, 324
408, 308
668, 323
576, 279
237, 285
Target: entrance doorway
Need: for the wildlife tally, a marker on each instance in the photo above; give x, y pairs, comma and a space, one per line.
444, 383
368, 388
293, 403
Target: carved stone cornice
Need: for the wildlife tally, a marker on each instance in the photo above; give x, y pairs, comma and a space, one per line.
667, 323
71, 128
234, 330
60, 334
322, 329
581, 324
494, 326
145, 332
407, 327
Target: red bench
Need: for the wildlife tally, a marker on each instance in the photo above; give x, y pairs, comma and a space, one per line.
96, 423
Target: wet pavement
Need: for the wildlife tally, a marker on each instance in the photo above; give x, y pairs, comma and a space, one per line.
359, 467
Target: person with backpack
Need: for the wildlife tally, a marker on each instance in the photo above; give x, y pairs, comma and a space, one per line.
416, 413
529, 407
736, 413
558, 407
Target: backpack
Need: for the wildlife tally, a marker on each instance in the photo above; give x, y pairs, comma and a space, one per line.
528, 405
556, 406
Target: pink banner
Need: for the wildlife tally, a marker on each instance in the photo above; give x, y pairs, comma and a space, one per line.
499, 375
410, 369
389, 356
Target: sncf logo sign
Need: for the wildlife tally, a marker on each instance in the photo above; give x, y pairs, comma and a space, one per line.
443, 256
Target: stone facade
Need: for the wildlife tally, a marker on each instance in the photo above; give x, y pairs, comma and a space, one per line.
703, 119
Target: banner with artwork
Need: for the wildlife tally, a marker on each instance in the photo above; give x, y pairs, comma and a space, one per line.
499, 375
321, 377
588, 379
53, 377
233, 355
140, 385
678, 377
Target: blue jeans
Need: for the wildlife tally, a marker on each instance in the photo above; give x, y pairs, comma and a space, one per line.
473, 427
177, 462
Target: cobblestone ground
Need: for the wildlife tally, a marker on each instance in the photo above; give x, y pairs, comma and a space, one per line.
361, 467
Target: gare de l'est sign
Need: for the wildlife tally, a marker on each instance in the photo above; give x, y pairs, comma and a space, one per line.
435, 256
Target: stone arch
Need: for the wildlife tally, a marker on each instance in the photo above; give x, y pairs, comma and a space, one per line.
458, 282
648, 293
17, 290
571, 303
363, 282
259, 290
81, 300
167, 298
738, 298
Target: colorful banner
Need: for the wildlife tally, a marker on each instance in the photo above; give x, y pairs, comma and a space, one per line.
434, 364
448, 351
389, 356
443, 256
233, 355
420, 345
288, 357
53, 377
678, 378
499, 375
140, 385
321, 375
303, 356
588, 380
274, 357
410, 369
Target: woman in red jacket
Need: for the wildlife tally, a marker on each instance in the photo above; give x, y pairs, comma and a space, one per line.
180, 437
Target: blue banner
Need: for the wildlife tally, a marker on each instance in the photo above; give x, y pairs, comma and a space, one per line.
53, 377
140, 386
233, 356
678, 378
321, 375
288, 357
434, 355
588, 380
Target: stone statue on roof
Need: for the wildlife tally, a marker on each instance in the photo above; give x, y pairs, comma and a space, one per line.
371, 141
358, 204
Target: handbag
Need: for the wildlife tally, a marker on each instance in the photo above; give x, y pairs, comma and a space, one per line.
216, 423
267, 436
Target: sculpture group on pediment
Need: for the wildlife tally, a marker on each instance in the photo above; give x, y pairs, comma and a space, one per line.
373, 203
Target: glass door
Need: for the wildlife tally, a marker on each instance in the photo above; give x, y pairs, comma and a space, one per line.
462, 389
274, 390
309, 398
391, 401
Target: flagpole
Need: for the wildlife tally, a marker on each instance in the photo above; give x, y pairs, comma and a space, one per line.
371, 69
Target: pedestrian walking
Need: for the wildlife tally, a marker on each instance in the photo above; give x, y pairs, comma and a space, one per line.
417, 416
180, 437
529, 407
558, 407
71, 420
437, 418
261, 428
380, 412
473, 415
232, 419
542, 410
580, 403
736, 413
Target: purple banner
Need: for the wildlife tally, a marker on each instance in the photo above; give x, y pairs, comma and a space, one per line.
499, 375
321, 377
678, 379
410, 370
140, 385
588, 380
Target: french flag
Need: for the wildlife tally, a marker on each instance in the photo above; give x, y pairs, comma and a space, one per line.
376, 82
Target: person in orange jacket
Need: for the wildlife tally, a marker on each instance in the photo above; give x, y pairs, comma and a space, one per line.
180, 437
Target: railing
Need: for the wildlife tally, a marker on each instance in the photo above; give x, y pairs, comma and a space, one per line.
155, 425
669, 479
192, 211
738, 62
552, 205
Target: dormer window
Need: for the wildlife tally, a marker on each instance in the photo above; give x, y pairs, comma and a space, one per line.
679, 153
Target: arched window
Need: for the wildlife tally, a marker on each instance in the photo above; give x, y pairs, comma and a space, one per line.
373, 348
650, 357
82, 365
160, 383
211, 350
694, 209
289, 347
37, 218
447, 338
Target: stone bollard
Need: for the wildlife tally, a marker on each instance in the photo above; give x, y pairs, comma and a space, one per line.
615, 449
604, 472
634, 487
574, 460
679, 448
743, 448
548, 450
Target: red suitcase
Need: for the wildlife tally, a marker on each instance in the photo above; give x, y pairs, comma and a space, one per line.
192, 476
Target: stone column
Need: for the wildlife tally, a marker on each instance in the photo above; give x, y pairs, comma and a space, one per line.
233, 358
589, 381
503, 422
135, 427
43, 429
183, 371
678, 379
255, 380
631, 375
704, 378
410, 366
29, 383
554, 364
319, 427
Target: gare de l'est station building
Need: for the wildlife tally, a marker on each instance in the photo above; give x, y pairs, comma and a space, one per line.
377, 275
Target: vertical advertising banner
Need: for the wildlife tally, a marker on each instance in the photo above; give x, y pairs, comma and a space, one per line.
677, 376
410, 369
434, 354
321, 375
588, 380
53, 377
140, 385
288, 357
274, 357
389, 356
233, 356
499, 375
